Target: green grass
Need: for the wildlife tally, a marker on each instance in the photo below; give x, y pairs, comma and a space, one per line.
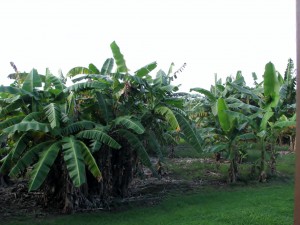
184, 150
286, 164
196, 170
252, 205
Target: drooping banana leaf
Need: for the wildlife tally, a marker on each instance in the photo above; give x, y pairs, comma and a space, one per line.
137, 146
99, 136
20, 146
74, 160
104, 106
42, 167
11, 121
95, 146
190, 134
146, 69
34, 116
86, 86
76, 127
78, 70
14, 90
154, 145
90, 161
168, 115
207, 93
28, 125
28, 158
129, 123
284, 124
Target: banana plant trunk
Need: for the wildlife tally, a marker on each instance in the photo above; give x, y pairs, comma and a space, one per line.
262, 172
273, 159
233, 168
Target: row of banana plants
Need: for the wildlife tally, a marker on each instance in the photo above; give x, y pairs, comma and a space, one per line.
87, 139
233, 113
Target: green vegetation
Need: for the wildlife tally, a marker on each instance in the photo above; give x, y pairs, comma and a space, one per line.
82, 145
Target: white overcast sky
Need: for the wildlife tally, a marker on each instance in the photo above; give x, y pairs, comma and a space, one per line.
211, 36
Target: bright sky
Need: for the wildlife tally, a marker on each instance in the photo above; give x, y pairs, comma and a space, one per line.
211, 36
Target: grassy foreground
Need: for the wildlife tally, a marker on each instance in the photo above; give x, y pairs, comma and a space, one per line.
262, 204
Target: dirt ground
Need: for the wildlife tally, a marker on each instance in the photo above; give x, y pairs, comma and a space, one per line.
17, 201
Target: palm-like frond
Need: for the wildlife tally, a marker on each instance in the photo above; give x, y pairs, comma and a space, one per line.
119, 58
28, 158
129, 123
218, 147
245, 91
11, 107
168, 114
74, 160
11, 121
95, 146
14, 90
86, 86
32, 81
284, 124
76, 127
90, 161
53, 114
78, 70
20, 146
207, 93
93, 69
26, 126
104, 107
50, 79
190, 134
42, 167
33, 116
137, 146
99, 136
107, 66
71, 102
99, 77
146, 69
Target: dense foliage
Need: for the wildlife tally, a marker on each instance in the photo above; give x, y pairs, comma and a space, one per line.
91, 138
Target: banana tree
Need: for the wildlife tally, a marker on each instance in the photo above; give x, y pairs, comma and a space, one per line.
283, 126
268, 100
51, 139
231, 130
137, 110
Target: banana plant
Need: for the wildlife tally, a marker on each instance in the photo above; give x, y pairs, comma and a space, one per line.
41, 136
282, 126
231, 130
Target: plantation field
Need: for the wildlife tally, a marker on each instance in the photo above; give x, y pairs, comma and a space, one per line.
270, 203
116, 147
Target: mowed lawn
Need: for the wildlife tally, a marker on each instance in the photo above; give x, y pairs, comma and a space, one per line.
259, 204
